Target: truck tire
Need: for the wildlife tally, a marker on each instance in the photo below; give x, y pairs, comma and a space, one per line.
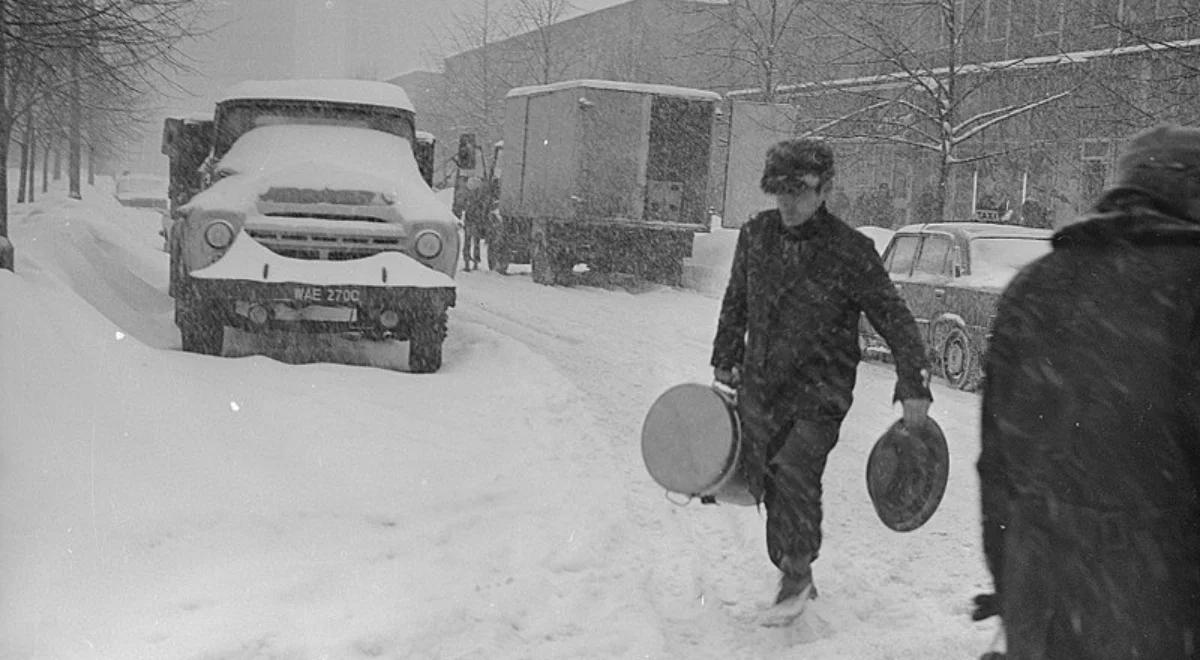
497, 259
200, 329
425, 345
541, 262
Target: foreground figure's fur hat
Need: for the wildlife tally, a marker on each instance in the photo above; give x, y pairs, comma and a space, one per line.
1164, 162
796, 165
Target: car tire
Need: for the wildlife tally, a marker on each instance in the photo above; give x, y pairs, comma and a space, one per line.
958, 360
200, 329
425, 345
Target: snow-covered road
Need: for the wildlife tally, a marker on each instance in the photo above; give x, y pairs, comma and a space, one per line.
156, 504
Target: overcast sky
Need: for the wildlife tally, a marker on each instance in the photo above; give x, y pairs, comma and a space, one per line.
267, 39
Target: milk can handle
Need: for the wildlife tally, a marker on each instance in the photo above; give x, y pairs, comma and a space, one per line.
725, 391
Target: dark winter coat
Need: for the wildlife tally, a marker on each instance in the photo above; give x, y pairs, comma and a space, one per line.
790, 316
1090, 457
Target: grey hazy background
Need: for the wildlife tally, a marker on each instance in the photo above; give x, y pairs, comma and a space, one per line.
262, 39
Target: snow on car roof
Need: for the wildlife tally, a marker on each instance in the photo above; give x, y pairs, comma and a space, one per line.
363, 92
646, 88
978, 229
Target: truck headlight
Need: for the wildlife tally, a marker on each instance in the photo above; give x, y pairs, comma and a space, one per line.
218, 234
429, 244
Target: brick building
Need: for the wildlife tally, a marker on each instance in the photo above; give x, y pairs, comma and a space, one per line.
1110, 66
1119, 66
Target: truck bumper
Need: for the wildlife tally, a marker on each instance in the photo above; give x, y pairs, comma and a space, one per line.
377, 311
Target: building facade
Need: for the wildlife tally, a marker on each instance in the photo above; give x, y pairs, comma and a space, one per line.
1038, 94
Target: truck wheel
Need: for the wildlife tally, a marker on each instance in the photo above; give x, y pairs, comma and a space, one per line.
200, 329
425, 345
960, 366
497, 260
540, 260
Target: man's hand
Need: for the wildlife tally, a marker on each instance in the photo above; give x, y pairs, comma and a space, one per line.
916, 412
729, 377
986, 606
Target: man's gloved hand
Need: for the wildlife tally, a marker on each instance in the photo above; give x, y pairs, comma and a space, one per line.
986, 607
729, 377
916, 412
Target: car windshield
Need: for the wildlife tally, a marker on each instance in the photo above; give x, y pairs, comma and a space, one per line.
997, 260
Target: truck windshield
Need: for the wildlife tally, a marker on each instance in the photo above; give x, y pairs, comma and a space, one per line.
234, 118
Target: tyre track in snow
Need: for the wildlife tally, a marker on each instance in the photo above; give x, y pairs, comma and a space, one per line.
699, 568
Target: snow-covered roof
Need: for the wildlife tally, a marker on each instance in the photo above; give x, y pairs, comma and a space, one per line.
362, 92
887, 80
644, 88
978, 229
316, 157
425, 136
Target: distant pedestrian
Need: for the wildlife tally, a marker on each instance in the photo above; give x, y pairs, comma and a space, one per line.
1090, 461
475, 207
787, 339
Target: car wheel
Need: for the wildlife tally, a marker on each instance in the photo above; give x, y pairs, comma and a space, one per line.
958, 361
200, 329
425, 345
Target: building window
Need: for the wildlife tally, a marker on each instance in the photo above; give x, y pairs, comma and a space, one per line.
1105, 12
1172, 8
1139, 11
1047, 16
997, 20
1096, 156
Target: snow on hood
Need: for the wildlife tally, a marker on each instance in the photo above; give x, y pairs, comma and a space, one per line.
320, 157
247, 259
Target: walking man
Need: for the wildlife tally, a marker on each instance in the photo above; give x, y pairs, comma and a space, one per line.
1090, 461
787, 339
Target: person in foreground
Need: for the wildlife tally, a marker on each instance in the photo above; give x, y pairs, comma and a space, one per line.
1090, 457
787, 340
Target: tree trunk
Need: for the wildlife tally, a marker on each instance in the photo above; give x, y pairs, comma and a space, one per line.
91, 165
6, 251
58, 163
32, 133
24, 169
73, 155
46, 166
943, 185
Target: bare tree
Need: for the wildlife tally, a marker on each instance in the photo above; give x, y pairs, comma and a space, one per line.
761, 37
475, 84
934, 94
546, 55
56, 50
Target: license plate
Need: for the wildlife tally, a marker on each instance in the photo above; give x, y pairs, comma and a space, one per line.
316, 313
336, 295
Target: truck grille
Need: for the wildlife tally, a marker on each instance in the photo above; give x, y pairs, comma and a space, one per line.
337, 240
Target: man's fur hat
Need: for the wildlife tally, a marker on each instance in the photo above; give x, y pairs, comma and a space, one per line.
1163, 162
796, 165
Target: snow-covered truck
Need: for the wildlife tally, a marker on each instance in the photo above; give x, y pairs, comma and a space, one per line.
310, 213
610, 174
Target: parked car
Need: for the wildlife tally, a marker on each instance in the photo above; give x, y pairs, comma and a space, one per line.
146, 191
880, 235
951, 275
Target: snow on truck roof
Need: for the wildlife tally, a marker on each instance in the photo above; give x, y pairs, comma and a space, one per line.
361, 92
644, 88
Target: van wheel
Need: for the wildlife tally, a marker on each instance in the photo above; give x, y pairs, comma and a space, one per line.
200, 329
425, 345
960, 365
